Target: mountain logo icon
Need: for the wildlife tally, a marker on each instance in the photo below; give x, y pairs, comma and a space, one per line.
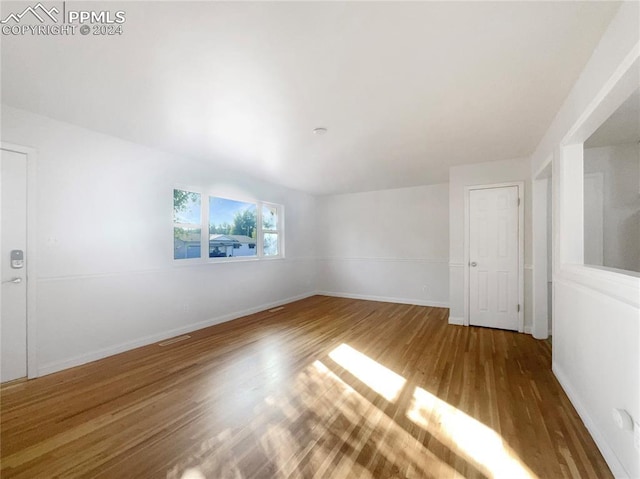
39, 11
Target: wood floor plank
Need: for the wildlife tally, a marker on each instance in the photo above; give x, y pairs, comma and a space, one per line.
262, 397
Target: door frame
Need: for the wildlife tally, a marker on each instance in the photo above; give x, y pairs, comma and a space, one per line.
542, 249
32, 158
521, 193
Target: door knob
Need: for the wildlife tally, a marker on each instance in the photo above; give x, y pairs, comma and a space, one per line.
473, 264
14, 280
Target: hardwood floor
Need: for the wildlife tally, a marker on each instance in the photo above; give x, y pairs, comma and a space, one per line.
326, 387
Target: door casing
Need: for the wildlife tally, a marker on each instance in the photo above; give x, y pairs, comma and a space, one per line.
521, 193
31, 155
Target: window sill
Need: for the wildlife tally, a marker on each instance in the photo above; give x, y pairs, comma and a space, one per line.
624, 286
233, 259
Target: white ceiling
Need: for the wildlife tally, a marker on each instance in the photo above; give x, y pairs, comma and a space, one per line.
405, 89
622, 127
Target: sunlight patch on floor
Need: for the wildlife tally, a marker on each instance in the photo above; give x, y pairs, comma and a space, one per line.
193, 473
467, 436
326, 428
383, 434
379, 378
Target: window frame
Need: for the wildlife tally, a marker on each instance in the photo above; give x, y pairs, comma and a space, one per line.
205, 197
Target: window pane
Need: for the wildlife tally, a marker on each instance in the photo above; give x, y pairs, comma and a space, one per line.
270, 246
269, 217
186, 242
232, 228
186, 207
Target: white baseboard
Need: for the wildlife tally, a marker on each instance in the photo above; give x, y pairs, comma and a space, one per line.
529, 330
56, 366
456, 320
609, 455
79, 360
385, 299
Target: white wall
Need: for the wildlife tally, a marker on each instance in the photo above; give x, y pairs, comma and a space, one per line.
620, 168
596, 343
549, 241
483, 174
387, 245
106, 280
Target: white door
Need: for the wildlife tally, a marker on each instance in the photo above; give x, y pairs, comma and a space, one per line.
13, 237
494, 258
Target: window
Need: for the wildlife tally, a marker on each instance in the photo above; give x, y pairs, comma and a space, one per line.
237, 229
187, 224
271, 243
